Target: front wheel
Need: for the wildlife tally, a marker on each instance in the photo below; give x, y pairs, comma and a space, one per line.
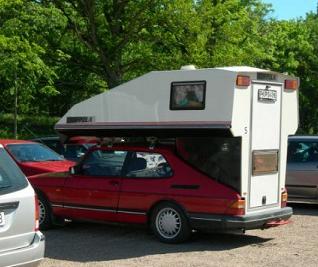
45, 215
170, 224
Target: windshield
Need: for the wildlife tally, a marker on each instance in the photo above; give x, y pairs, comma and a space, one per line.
33, 152
11, 177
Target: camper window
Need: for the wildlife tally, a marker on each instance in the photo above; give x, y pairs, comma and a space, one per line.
218, 157
187, 95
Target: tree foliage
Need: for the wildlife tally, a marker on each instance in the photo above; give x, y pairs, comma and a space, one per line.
59, 52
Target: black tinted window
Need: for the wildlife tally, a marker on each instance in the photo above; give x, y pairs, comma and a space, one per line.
104, 163
218, 157
302, 151
53, 144
144, 164
74, 151
11, 177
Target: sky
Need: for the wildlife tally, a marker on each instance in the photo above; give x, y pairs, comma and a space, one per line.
291, 9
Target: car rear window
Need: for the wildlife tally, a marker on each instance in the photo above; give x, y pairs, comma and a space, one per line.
302, 151
11, 177
148, 165
218, 157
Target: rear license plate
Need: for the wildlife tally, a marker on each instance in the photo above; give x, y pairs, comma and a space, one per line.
2, 219
267, 95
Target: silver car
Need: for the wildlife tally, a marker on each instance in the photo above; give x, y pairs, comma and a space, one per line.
302, 169
21, 243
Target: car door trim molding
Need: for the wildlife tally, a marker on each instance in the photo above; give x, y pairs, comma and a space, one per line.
97, 208
132, 212
81, 207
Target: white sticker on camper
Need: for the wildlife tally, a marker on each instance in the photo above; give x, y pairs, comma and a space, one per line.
267, 95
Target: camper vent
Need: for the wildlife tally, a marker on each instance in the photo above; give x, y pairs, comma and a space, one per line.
79, 119
266, 76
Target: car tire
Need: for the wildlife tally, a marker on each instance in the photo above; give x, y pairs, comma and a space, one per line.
170, 224
45, 213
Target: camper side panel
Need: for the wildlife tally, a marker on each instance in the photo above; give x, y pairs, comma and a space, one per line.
147, 100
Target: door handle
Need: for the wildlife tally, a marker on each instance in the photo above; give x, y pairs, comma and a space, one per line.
114, 182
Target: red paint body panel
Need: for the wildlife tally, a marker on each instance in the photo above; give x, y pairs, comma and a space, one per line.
93, 192
129, 199
33, 168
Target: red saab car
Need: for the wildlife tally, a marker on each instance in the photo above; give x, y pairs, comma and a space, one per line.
34, 158
143, 185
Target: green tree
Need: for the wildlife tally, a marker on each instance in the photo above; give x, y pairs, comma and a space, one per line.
308, 71
290, 47
117, 40
233, 32
22, 68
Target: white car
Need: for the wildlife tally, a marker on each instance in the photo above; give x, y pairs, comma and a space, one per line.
21, 242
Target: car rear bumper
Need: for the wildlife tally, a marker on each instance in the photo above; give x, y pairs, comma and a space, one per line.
259, 220
28, 256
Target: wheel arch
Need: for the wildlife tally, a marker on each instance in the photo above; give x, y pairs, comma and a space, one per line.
161, 201
39, 192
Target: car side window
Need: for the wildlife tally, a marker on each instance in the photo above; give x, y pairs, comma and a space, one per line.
74, 151
148, 165
303, 151
104, 163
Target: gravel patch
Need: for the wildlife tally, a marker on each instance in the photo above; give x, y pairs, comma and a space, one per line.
79, 244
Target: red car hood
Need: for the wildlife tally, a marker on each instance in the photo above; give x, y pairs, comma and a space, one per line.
32, 168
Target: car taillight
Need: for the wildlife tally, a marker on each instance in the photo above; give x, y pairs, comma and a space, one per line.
243, 80
37, 213
284, 199
237, 207
291, 84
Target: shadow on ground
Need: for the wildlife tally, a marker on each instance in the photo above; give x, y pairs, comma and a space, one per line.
94, 242
305, 209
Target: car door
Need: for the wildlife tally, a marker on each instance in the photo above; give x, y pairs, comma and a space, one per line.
146, 180
92, 192
302, 170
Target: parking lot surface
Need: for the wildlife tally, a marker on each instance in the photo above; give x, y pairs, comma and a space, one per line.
84, 244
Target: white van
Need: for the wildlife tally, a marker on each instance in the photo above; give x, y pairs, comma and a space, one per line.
21, 242
258, 108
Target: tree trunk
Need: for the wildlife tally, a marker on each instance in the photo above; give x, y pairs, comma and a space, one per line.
15, 115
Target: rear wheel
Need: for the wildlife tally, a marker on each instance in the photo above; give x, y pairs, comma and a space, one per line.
170, 224
45, 216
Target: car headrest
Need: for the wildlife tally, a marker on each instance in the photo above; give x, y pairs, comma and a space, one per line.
138, 164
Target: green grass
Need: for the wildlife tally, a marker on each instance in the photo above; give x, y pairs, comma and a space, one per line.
28, 126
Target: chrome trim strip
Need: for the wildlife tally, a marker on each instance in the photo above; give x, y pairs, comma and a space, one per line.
57, 206
103, 210
205, 219
92, 209
82, 208
132, 212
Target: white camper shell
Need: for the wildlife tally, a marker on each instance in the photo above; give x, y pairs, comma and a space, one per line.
259, 106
